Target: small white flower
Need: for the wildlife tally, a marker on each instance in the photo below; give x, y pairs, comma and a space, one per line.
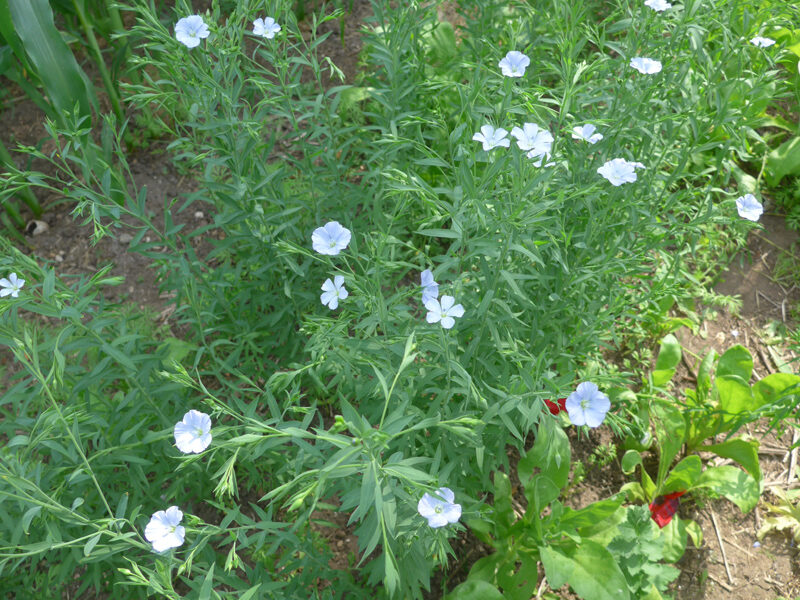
735, 333
648, 66
439, 508
587, 405
658, 5
443, 312
430, 289
193, 433
189, 30
164, 530
514, 64
266, 27
492, 138
11, 286
333, 291
619, 171
586, 133
330, 239
537, 142
749, 208
762, 42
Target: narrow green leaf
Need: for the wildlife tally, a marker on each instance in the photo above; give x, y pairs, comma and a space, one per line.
89, 546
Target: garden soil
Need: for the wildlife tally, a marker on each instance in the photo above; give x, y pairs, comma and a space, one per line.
727, 565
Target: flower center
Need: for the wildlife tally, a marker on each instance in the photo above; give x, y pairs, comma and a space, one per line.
584, 404
198, 432
332, 244
438, 509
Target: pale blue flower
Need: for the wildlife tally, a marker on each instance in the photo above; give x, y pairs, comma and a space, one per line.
538, 143
586, 133
190, 30
193, 433
330, 239
587, 405
443, 311
648, 66
748, 207
11, 286
492, 138
439, 508
619, 171
333, 291
514, 64
658, 5
430, 289
266, 27
164, 530
762, 42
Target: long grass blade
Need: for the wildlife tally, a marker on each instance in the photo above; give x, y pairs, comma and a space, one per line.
64, 81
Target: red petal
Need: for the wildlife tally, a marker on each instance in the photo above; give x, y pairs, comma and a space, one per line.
556, 408
665, 507
552, 407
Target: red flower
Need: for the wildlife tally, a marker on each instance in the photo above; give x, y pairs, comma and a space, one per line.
663, 507
556, 408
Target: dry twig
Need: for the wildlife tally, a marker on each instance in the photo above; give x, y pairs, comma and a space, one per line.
722, 548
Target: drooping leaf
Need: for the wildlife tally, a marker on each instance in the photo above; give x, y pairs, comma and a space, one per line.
774, 387
733, 483
743, 452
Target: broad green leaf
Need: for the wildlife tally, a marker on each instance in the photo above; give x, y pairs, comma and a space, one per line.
736, 360
588, 568
504, 512
743, 452
733, 483
518, 577
670, 429
540, 492
592, 514
485, 568
783, 160
475, 590
668, 358
674, 534
694, 531
704, 372
630, 461
63, 79
735, 395
683, 475
774, 387
550, 455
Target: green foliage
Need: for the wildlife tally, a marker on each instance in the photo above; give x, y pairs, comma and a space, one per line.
364, 409
639, 550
